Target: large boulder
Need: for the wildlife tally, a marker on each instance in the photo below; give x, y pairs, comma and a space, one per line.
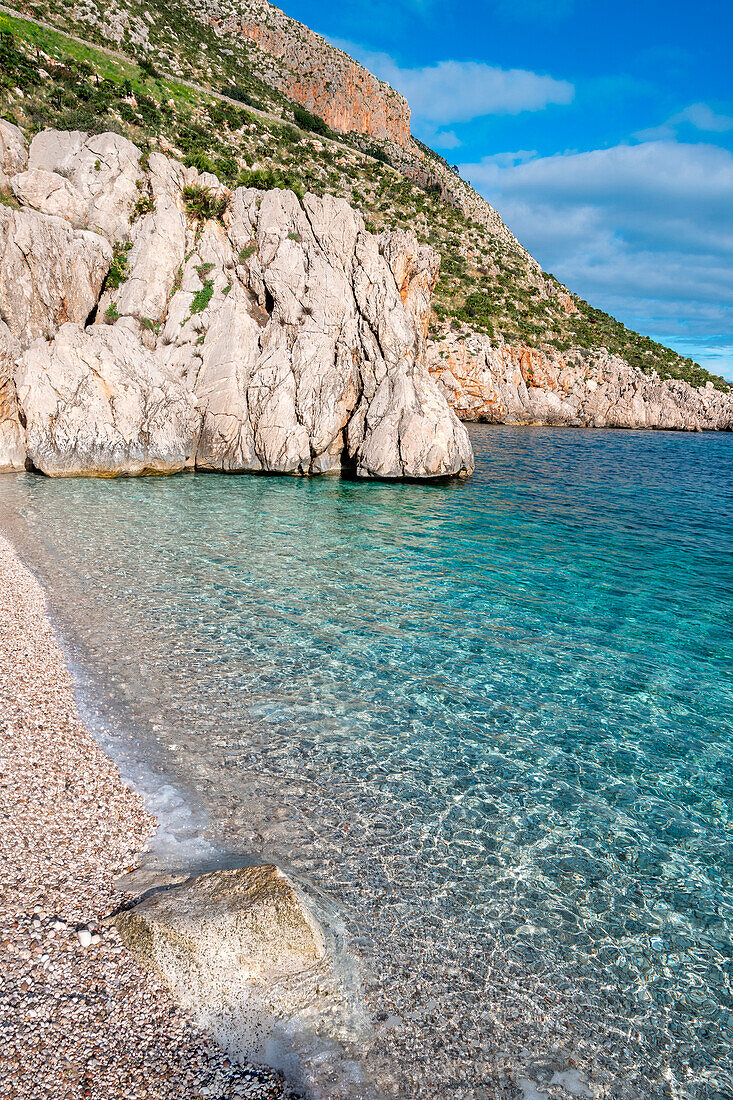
96, 403
243, 950
50, 273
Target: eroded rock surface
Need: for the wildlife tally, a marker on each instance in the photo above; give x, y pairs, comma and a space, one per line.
502, 384
12, 432
102, 172
13, 152
252, 333
95, 401
50, 273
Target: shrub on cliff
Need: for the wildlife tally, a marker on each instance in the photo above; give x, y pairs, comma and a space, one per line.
203, 204
307, 121
241, 95
266, 179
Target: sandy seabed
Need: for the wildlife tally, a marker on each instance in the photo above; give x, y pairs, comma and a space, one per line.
78, 1018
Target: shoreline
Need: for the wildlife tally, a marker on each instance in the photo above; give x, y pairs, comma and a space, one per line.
80, 1019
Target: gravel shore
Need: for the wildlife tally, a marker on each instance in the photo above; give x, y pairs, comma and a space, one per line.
77, 1016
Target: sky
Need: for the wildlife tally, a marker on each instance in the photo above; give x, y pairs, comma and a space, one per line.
602, 133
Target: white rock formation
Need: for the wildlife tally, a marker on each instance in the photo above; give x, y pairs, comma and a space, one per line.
268, 334
97, 401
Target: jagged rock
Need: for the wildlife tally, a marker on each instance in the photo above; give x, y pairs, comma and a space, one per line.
12, 432
500, 383
102, 171
415, 268
96, 403
13, 152
243, 951
282, 320
49, 272
158, 246
299, 337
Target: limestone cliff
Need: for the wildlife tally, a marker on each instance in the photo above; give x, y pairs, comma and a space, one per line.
155, 320
308, 70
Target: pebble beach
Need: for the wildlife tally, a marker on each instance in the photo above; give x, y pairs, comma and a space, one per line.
78, 1018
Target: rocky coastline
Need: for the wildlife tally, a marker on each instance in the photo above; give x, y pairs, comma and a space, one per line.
500, 383
79, 1017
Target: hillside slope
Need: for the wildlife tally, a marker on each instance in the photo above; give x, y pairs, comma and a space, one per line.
276, 125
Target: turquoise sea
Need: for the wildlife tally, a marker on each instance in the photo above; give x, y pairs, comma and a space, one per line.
491, 720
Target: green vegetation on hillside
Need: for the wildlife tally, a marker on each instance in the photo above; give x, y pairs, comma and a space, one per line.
486, 284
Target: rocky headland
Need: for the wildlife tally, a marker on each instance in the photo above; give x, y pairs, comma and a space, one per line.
502, 383
154, 320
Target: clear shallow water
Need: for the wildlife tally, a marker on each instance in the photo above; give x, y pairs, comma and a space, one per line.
491, 720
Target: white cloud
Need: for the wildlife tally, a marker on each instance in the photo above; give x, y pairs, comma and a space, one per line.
698, 115
703, 117
445, 139
458, 91
644, 231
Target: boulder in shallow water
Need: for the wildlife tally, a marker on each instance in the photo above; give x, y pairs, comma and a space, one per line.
243, 951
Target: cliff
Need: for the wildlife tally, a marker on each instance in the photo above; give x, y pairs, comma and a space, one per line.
308, 70
493, 310
155, 320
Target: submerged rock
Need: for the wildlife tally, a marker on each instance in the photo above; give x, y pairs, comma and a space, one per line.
295, 335
242, 950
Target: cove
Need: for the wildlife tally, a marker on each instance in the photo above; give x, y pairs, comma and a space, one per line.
491, 721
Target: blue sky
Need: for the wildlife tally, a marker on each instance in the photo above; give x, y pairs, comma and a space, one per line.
602, 133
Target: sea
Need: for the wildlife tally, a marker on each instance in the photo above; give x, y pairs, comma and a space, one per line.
491, 722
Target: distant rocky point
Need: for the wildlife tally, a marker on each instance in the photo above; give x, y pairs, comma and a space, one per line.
153, 320
501, 383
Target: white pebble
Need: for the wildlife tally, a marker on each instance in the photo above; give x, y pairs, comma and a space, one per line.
85, 937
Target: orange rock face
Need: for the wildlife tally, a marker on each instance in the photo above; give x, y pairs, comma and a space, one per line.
321, 78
